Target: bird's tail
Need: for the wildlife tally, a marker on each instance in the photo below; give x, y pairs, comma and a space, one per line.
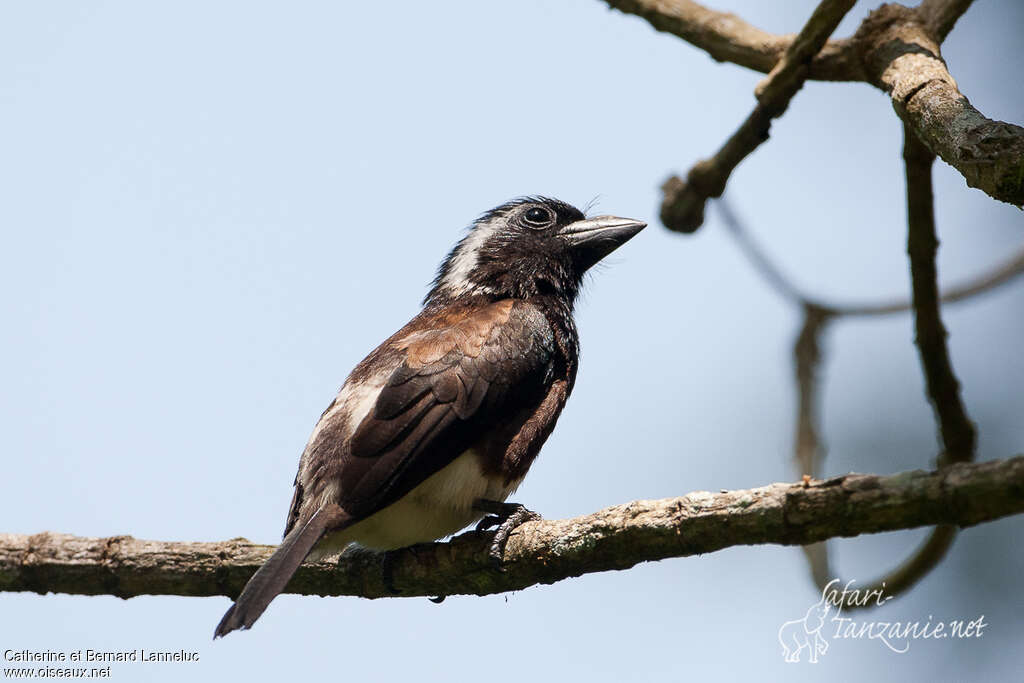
273, 576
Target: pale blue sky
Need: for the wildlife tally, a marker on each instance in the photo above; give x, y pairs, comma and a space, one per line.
212, 211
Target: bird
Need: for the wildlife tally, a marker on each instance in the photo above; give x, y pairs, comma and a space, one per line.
438, 425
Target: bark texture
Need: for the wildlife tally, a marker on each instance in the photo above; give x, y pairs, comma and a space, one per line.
540, 552
896, 49
683, 206
728, 38
902, 57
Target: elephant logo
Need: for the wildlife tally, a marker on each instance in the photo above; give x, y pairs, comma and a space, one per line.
798, 634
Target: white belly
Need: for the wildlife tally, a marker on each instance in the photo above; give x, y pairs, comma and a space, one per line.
439, 506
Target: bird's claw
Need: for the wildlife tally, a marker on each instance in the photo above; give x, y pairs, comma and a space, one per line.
507, 517
387, 571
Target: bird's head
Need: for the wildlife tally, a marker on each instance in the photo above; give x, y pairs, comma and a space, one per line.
527, 247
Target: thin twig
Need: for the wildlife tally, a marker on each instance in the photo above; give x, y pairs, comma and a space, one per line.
757, 257
941, 15
540, 552
1001, 274
808, 449
682, 208
955, 428
809, 452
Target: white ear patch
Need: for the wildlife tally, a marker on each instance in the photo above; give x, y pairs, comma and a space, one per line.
467, 255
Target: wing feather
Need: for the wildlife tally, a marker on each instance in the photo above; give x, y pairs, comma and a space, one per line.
451, 386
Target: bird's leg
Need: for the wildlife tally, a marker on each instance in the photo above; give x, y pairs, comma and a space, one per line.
507, 516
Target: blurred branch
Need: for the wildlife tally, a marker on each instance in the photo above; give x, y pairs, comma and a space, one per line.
808, 449
759, 259
540, 552
809, 452
898, 50
985, 282
728, 38
955, 428
781, 283
682, 208
916, 567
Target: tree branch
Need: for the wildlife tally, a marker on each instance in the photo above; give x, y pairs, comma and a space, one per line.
902, 58
896, 48
998, 276
941, 15
808, 451
956, 430
682, 208
987, 281
727, 38
808, 448
618, 537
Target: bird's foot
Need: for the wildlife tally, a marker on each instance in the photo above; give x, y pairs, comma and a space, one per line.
487, 522
507, 517
387, 569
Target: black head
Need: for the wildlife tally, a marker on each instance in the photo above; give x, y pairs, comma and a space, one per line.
527, 247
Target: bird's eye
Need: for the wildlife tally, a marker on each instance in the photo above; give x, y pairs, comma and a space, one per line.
537, 217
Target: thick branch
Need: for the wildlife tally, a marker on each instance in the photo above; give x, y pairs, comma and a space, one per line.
901, 56
896, 48
538, 552
727, 38
682, 208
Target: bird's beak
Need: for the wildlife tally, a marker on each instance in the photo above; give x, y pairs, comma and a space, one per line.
595, 238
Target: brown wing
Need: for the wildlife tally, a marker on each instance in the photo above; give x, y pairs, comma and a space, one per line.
454, 384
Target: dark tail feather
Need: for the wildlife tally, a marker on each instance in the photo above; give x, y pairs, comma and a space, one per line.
274, 575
